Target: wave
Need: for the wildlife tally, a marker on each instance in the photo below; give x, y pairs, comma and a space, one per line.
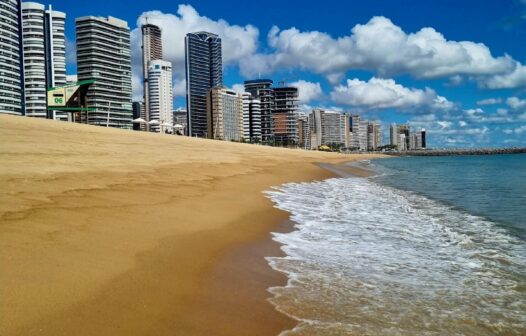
370, 259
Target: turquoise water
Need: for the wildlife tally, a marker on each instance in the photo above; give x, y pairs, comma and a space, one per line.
430, 246
490, 186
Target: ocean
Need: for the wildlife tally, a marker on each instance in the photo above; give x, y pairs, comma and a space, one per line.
427, 246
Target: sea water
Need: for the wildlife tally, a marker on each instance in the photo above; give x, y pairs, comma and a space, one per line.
428, 246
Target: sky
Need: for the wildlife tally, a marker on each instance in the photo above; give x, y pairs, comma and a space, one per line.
455, 68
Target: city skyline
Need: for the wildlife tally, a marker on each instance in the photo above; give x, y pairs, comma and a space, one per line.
459, 104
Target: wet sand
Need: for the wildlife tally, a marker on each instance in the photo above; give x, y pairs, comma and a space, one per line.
112, 232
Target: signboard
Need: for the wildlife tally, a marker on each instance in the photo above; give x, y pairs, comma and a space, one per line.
59, 96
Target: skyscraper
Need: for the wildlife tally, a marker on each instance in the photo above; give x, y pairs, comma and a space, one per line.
44, 48
11, 74
103, 54
262, 89
160, 93
285, 115
152, 49
395, 132
204, 70
327, 128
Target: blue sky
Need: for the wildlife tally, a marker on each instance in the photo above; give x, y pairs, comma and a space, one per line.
456, 68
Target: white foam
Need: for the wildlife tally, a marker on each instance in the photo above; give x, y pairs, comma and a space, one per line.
362, 251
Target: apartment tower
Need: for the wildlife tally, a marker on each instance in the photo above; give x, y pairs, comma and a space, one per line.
285, 115
160, 94
225, 114
44, 50
262, 90
11, 74
152, 49
103, 54
204, 71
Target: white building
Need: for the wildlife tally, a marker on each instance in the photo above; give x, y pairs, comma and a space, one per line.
326, 128
103, 54
44, 46
225, 114
160, 94
251, 118
395, 132
10, 64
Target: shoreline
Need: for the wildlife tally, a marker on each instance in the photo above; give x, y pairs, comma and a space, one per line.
105, 235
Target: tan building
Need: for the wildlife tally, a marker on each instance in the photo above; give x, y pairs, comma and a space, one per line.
225, 114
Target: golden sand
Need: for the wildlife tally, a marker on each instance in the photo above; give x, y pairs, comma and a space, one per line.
113, 232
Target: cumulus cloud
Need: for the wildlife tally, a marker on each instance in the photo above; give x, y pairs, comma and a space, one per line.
516, 103
379, 93
489, 101
383, 47
239, 88
238, 42
308, 91
508, 80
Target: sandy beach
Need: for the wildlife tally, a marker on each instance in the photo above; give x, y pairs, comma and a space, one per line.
113, 232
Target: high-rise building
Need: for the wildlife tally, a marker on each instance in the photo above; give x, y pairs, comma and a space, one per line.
327, 128
160, 94
204, 70
417, 140
11, 72
103, 54
303, 132
261, 89
374, 136
285, 115
394, 135
152, 49
137, 111
251, 118
225, 114
44, 48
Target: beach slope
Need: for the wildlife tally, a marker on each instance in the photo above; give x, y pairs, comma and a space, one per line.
114, 232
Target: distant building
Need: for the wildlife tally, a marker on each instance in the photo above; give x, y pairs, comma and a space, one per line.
285, 115
180, 118
152, 49
326, 128
251, 118
204, 70
225, 114
261, 89
303, 132
137, 111
374, 136
44, 45
395, 132
103, 54
160, 95
417, 140
11, 72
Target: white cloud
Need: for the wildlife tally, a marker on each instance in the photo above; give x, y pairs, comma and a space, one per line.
508, 80
308, 91
489, 101
383, 47
462, 123
378, 93
239, 88
238, 42
516, 103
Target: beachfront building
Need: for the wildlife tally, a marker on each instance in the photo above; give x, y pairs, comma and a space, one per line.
285, 116
44, 54
103, 54
225, 114
326, 128
160, 95
180, 119
261, 89
417, 140
152, 49
137, 112
303, 132
11, 72
394, 135
204, 71
251, 118
374, 136
354, 126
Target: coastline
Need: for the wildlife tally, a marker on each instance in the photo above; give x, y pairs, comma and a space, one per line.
106, 236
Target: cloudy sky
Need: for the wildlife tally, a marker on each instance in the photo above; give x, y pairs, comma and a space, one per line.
456, 68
